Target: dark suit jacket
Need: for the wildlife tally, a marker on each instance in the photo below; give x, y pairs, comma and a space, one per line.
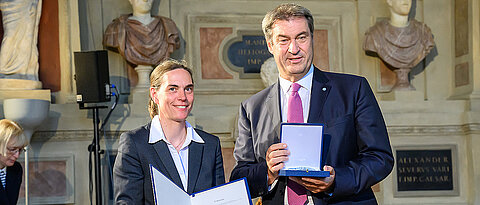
359, 149
131, 172
9, 194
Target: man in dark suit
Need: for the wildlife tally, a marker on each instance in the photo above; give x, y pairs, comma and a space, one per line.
12, 142
189, 157
359, 153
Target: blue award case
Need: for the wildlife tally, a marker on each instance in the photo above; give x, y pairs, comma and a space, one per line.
305, 142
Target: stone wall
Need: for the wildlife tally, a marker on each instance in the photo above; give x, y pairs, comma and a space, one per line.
443, 112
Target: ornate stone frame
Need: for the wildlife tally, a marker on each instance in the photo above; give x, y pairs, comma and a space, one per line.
241, 25
69, 186
455, 176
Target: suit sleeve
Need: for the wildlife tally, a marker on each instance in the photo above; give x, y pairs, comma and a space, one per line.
219, 173
127, 173
14, 179
247, 165
374, 160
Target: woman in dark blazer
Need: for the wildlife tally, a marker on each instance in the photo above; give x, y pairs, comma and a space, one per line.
12, 142
189, 157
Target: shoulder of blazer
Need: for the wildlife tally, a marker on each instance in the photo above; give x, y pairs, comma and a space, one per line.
16, 168
207, 137
325, 76
15, 171
136, 133
260, 97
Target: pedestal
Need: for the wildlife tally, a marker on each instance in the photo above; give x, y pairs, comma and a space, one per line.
143, 72
139, 104
23, 89
140, 94
402, 80
15, 84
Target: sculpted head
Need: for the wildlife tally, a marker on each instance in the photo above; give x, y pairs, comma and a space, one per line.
400, 7
141, 6
269, 72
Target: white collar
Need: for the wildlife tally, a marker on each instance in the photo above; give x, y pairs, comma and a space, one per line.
156, 133
305, 81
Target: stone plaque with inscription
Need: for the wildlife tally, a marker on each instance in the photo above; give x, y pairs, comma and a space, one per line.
425, 170
249, 53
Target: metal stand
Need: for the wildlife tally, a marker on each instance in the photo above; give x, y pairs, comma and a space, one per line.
95, 147
27, 171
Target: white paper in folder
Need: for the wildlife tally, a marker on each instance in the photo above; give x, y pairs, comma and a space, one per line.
167, 192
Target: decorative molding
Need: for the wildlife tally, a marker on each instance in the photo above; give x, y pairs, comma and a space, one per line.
200, 91
85, 135
69, 135
435, 129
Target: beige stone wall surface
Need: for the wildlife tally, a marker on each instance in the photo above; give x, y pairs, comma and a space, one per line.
440, 112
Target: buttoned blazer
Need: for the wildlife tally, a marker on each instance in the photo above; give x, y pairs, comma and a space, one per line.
359, 148
131, 171
9, 194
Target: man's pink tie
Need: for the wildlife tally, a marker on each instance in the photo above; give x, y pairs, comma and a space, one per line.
297, 194
295, 111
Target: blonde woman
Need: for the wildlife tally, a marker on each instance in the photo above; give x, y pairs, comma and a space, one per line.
12, 143
190, 157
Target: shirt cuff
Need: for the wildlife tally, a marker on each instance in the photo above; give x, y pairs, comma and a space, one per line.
270, 187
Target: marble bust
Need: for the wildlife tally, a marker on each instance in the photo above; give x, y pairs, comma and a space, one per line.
142, 39
399, 42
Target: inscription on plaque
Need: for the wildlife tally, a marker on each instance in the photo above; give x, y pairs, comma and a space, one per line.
249, 54
424, 170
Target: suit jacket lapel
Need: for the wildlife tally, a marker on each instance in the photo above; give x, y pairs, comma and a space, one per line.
273, 107
167, 165
320, 91
195, 154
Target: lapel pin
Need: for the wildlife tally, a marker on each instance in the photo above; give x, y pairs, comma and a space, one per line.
324, 89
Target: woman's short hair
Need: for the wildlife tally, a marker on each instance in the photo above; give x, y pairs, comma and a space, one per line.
11, 131
156, 78
285, 12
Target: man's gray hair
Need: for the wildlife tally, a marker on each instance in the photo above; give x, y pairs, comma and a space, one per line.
285, 12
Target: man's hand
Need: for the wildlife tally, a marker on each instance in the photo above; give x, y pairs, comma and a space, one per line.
315, 184
276, 155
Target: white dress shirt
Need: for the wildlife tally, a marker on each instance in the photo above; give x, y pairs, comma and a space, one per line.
4, 170
304, 92
180, 158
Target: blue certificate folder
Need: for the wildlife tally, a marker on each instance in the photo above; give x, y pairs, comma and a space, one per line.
166, 192
305, 142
